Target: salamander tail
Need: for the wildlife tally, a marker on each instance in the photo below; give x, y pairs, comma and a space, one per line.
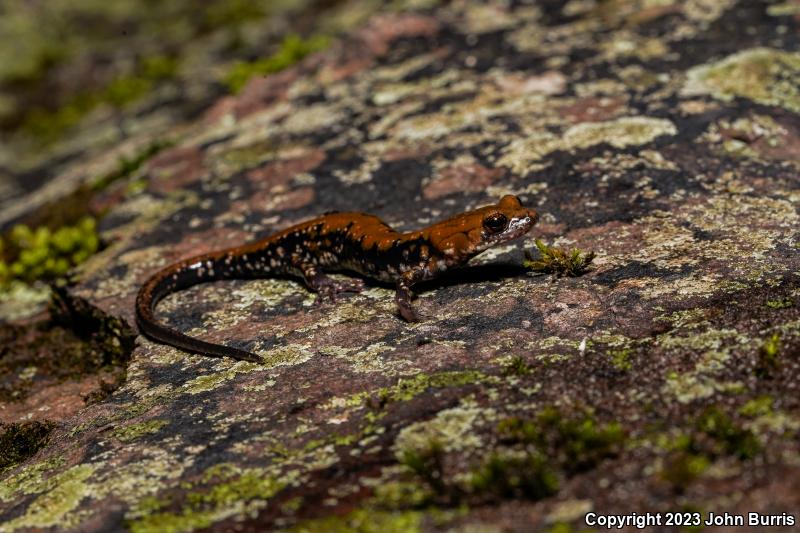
158, 286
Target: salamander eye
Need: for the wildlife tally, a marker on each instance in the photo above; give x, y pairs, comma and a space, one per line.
495, 223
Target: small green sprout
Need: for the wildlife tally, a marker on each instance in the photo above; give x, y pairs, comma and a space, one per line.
558, 261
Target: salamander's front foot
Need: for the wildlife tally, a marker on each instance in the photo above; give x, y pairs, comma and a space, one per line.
328, 288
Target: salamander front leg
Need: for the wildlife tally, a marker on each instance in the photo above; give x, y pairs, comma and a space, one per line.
327, 287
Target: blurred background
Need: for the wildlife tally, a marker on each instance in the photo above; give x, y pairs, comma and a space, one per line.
78, 77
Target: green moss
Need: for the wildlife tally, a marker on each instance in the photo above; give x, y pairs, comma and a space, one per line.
426, 462
403, 495
292, 49
43, 254
558, 261
21, 440
682, 469
409, 388
713, 435
578, 442
127, 166
780, 303
621, 359
64, 493
723, 436
364, 521
49, 125
29, 479
757, 406
134, 431
768, 360
530, 476
231, 492
517, 366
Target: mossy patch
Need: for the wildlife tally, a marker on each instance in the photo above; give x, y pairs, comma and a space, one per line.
30, 479
621, 359
764, 75
209, 382
47, 125
365, 521
529, 475
713, 435
292, 49
780, 303
41, 254
526, 458
577, 442
408, 388
64, 494
517, 366
134, 431
228, 491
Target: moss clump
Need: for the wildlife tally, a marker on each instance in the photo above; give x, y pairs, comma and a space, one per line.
43, 254
682, 469
21, 440
292, 49
757, 406
558, 261
723, 436
621, 359
713, 435
578, 443
427, 462
527, 462
768, 356
402, 495
517, 366
528, 476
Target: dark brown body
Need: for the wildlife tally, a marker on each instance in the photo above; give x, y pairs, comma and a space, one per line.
354, 242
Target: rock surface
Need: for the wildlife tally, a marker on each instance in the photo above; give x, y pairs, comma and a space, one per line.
664, 136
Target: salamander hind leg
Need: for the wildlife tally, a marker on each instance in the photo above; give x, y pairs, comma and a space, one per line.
327, 287
403, 295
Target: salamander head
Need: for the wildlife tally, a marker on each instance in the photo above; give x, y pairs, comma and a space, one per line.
468, 234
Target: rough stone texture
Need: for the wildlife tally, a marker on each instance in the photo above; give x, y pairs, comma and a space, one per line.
662, 135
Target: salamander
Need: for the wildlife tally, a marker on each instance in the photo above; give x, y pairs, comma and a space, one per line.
354, 242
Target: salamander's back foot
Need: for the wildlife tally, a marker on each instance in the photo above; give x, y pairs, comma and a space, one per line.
327, 287
403, 300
